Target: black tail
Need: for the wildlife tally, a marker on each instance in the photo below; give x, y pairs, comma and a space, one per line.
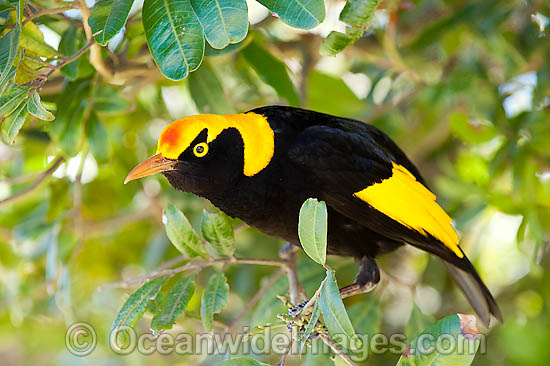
475, 290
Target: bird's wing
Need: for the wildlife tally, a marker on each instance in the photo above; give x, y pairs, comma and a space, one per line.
368, 178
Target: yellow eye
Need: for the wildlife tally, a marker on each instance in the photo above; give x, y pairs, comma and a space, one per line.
200, 149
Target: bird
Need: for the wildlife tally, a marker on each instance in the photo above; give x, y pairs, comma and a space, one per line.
261, 165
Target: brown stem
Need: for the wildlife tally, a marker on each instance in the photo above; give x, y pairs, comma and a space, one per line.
68, 60
256, 297
329, 342
33, 16
296, 291
35, 184
283, 359
95, 51
196, 265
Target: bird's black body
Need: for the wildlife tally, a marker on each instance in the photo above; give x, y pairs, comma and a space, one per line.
325, 157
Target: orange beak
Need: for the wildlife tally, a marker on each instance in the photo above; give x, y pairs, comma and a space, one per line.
155, 164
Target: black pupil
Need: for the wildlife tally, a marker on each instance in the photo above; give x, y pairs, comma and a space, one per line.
199, 149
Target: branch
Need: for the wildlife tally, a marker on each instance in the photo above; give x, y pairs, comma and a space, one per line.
329, 342
95, 52
283, 359
68, 60
256, 297
296, 291
38, 14
192, 265
41, 177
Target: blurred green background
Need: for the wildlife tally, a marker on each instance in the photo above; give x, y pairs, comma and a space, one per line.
462, 86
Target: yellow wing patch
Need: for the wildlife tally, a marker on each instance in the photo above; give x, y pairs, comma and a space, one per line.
257, 135
410, 203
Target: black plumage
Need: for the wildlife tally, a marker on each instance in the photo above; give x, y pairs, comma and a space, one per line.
325, 157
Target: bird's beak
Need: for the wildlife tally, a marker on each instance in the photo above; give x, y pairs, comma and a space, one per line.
155, 164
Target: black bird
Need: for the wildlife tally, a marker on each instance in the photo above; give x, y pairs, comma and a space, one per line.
260, 166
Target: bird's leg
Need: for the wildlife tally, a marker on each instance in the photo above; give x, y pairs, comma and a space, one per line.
366, 280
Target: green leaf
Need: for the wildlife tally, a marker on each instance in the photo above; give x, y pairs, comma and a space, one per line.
58, 198
12, 99
109, 17
181, 233
312, 229
134, 308
418, 322
25, 71
13, 123
452, 341
35, 107
223, 21
242, 361
343, 103
8, 49
214, 299
19, 9
32, 39
472, 131
303, 14
335, 317
174, 35
174, 304
67, 127
358, 13
272, 71
336, 42
218, 231
108, 100
68, 46
207, 91
366, 315
98, 139
315, 314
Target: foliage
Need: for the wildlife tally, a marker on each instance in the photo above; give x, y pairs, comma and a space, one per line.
462, 87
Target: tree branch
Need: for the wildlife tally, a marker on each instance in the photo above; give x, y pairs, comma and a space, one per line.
256, 297
41, 177
329, 342
296, 291
95, 51
192, 265
38, 14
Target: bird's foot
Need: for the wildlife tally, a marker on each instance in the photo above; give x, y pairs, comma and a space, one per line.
366, 280
356, 289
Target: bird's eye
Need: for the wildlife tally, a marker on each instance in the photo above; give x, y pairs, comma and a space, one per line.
200, 149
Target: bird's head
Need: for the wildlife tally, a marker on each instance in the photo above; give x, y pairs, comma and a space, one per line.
205, 152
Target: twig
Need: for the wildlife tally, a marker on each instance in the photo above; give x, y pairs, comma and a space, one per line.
296, 291
256, 297
283, 359
329, 342
195, 265
33, 16
77, 209
68, 60
95, 51
41, 177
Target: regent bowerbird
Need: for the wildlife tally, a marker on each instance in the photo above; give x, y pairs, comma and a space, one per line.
260, 166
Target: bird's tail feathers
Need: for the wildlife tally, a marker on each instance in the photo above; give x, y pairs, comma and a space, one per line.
475, 290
